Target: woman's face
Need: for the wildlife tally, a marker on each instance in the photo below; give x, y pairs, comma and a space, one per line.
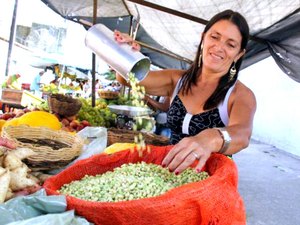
221, 46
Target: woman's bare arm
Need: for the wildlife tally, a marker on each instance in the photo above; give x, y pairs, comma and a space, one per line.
157, 83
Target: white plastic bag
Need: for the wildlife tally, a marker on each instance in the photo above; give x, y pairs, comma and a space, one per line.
95, 139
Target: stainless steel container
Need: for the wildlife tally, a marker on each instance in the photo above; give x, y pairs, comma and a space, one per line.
130, 111
120, 56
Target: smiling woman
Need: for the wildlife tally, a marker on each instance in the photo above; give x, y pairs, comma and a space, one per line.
210, 111
223, 46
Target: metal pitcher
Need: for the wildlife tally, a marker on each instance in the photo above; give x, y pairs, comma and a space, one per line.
120, 56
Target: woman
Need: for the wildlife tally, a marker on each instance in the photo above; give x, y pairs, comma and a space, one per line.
210, 111
12, 82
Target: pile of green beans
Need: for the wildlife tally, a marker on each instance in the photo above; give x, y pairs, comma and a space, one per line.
138, 93
128, 182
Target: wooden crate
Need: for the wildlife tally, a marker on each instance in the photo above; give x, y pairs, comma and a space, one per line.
11, 96
19, 97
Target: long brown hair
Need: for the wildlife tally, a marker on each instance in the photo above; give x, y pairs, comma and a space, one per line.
190, 77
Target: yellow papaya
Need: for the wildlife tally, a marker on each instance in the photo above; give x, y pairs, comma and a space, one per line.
2, 122
117, 147
36, 119
11, 122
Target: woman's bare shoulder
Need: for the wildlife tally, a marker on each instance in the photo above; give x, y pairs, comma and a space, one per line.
242, 88
173, 75
241, 91
177, 74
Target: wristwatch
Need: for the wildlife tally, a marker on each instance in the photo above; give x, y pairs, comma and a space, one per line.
226, 139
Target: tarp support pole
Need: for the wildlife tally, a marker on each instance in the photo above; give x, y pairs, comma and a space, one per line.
94, 58
11, 38
170, 11
175, 56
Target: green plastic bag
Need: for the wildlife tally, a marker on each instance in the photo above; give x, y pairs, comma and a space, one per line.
65, 218
38, 208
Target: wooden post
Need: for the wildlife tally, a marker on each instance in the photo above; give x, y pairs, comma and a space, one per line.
11, 38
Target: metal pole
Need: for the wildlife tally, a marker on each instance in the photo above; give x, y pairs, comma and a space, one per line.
94, 58
11, 38
170, 11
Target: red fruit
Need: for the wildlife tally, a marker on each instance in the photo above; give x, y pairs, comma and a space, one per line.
79, 127
19, 114
71, 129
65, 122
85, 123
68, 129
74, 124
65, 129
26, 110
71, 118
12, 115
6, 116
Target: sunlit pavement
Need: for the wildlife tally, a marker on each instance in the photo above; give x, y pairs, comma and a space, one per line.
269, 183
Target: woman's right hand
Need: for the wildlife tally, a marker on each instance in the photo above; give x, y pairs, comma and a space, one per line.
125, 38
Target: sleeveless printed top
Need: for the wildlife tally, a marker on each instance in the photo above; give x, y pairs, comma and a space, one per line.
183, 124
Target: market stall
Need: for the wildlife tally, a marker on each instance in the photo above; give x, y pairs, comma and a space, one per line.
66, 158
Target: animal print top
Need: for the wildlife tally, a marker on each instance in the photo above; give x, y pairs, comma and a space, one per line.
184, 124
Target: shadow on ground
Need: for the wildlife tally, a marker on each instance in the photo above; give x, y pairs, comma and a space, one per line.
269, 183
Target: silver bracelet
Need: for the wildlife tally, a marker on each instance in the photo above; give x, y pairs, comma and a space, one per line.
226, 139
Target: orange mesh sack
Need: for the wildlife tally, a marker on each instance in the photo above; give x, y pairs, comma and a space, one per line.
214, 201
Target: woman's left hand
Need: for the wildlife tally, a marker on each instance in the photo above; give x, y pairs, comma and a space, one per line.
125, 38
184, 154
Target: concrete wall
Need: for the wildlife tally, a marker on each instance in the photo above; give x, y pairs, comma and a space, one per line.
277, 119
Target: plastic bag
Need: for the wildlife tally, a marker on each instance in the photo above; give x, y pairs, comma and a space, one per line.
95, 143
66, 218
25, 207
38, 208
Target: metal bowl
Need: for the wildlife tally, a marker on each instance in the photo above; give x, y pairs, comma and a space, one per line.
130, 111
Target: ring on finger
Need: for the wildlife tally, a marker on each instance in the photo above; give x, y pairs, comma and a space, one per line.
196, 155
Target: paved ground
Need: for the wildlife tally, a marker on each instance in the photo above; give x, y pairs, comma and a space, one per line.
269, 183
